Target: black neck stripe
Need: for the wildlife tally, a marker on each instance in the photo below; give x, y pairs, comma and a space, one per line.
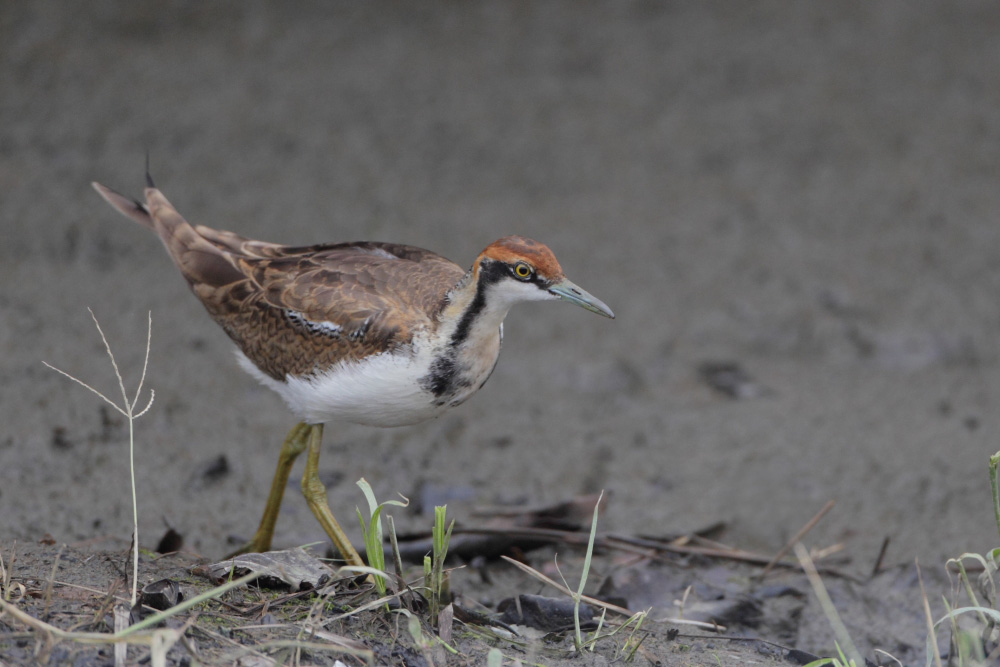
490, 273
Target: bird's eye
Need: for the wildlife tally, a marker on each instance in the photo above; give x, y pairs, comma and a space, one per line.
522, 271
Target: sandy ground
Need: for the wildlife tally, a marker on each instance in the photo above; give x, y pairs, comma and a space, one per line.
808, 190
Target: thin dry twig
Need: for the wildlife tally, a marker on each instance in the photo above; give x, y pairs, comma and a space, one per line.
877, 567
810, 524
641, 546
725, 553
527, 569
127, 410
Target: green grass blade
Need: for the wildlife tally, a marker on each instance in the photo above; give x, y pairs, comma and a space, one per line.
994, 461
585, 573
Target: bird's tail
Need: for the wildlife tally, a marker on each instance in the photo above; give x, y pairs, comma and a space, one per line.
126, 206
201, 262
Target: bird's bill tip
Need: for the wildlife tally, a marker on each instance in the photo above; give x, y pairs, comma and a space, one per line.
568, 291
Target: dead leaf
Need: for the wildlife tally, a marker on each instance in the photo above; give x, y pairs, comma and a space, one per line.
294, 568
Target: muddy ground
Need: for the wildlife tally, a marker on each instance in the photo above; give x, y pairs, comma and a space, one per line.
805, 192
759, 620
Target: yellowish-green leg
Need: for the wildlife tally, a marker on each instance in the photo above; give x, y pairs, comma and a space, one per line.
295, 443
315, 494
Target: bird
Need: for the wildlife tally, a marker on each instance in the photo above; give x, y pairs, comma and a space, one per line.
381, 334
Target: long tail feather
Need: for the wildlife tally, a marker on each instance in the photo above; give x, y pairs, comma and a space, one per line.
126, 206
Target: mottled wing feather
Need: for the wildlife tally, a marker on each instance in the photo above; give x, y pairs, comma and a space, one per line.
281, 301
368, 300
356, 290
343, 283
295, 310
242, 246
303, 278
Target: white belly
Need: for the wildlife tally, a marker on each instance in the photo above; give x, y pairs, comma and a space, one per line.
382, 390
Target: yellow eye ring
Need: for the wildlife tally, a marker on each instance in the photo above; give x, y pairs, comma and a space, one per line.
522, 271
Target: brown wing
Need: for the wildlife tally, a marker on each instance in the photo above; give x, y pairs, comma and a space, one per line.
299, 309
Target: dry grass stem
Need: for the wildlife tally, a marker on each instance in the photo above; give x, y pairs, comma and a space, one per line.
127, 409
158, 641
931, 638
527, 569
839, 629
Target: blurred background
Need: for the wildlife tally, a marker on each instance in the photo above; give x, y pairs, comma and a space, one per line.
791, 207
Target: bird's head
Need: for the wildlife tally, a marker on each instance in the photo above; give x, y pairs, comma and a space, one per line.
515, 269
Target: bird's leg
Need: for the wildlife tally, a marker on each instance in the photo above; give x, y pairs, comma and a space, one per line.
315, 494
295, 443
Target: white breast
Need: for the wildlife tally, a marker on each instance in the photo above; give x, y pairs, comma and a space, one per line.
381, 390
